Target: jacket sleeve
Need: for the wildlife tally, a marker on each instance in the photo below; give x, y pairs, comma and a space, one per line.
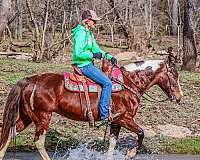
79, 45
96, 49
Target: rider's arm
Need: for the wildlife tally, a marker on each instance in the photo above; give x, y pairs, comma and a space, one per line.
96, 49
79, 46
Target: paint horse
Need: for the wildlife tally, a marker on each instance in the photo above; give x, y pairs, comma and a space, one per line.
33, 99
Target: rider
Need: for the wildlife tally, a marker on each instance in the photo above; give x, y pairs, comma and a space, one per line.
85, 50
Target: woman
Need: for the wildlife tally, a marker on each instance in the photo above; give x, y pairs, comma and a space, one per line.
85, 50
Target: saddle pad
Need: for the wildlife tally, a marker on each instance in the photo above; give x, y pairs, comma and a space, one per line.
77, 86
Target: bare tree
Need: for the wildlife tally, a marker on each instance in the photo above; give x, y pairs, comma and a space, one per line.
18, 22
189, 46
5, 7
174, 16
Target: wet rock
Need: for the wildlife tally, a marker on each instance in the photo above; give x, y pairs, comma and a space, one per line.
174, 131
149, 131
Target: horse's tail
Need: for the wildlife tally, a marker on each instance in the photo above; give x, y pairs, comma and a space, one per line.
13, 103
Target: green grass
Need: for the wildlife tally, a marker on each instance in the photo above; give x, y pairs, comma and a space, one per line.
190, 76
13, 70
184, 146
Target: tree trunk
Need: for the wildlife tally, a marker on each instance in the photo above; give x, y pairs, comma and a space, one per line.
36, 46
90, 4
174, 16
125, 28
189, 46
41, 55
5, 7
18, 22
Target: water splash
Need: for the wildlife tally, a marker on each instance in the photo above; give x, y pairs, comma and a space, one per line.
84, 152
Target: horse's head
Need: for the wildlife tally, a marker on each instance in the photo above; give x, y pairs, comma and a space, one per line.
168, 79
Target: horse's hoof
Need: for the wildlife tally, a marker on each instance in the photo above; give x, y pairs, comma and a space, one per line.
91, 125
132, 153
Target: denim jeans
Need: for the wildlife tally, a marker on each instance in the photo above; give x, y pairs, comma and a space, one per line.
99, 77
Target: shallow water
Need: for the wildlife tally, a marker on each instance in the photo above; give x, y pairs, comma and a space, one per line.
83, 152
86, 154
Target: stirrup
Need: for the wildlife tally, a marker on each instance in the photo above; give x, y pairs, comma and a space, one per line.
113, 116
91, 119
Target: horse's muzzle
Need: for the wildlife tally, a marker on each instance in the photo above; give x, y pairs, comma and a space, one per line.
173, 98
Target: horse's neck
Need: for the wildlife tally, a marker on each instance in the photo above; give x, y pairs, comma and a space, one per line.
142, 80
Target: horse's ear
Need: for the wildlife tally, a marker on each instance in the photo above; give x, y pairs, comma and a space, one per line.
171, 59
105, 64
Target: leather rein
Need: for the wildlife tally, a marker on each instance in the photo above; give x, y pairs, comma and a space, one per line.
137, 94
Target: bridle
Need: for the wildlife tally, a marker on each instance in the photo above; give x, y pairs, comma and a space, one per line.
150, 98
171, 91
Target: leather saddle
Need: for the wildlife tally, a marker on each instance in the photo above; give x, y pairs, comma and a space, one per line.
77, 82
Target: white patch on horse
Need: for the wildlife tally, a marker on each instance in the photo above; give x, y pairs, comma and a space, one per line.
13, 132
31, 97
40, 146
154, 64
3, 150
180, 88
112, 144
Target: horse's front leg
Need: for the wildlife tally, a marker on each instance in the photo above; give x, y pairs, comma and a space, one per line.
114, 133
132, 126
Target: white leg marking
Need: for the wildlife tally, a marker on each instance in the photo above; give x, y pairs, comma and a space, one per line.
112, 144
3, 150
40, 146
180, 88
31, 97
132, 153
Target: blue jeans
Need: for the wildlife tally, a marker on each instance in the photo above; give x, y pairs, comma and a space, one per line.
99, 77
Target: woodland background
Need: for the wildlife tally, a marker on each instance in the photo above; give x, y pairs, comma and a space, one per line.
43, 28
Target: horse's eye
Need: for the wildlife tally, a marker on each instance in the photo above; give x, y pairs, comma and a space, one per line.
181, 84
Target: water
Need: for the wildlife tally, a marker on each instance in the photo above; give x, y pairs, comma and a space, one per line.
83, 152
93, 155
87, 154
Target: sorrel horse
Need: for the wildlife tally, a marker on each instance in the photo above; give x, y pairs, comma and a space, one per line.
33, 99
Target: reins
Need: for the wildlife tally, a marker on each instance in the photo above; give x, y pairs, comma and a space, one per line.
134, 92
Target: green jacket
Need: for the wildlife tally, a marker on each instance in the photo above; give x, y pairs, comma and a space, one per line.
84, 45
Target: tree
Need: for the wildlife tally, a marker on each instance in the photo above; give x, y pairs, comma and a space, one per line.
174, 16
5, 7
189, 46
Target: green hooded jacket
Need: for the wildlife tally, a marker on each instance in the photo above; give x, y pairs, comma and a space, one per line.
84, 46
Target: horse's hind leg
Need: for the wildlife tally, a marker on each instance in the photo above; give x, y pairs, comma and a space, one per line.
40, 135
21, 123
3, 150
114, 133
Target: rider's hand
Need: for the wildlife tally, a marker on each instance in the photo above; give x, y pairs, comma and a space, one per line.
113, 61
97, 55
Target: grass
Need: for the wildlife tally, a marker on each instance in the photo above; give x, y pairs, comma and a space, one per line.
13, 70
184, 146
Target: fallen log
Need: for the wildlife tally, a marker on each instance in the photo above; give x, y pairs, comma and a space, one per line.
16, 55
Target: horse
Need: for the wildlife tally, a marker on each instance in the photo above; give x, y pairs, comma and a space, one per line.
33, 99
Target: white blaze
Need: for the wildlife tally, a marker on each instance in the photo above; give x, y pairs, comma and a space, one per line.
155, 64
180, 88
